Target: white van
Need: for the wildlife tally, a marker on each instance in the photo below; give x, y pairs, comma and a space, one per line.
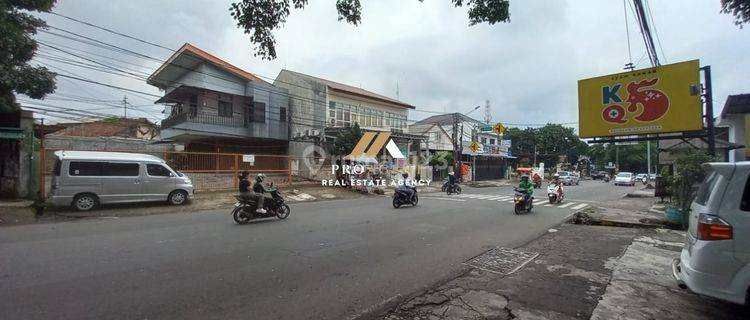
715, 261
85, 179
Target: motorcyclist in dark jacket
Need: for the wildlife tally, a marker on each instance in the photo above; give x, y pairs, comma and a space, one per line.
452, 181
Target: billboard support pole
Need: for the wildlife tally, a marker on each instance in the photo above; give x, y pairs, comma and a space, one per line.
708, 96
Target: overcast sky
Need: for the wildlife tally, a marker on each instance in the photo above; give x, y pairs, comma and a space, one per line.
527, 68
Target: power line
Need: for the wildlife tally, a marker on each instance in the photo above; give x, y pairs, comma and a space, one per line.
104, 45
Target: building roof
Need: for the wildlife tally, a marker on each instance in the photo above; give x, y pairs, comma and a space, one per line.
105, 128
194, 54
447, 118
105, 156
736, 104
337, 86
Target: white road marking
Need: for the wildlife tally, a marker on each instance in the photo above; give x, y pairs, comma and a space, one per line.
539, 201
567, 205
439, 198
504, 198
580, 206
548, 205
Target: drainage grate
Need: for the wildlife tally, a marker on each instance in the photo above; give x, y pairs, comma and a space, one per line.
502, 260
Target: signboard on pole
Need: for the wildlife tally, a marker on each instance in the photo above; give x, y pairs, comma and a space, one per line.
654, 100
499, 128
249, 158
474, 146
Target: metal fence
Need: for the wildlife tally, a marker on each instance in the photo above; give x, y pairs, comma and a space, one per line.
212, 171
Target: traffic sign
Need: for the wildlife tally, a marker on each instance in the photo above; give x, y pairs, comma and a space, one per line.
485, 128
474, 146
499, 128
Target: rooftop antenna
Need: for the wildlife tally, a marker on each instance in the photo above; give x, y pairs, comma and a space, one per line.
397, 93
487, 113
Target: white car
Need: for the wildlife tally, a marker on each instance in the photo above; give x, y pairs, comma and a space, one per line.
715, 261
625, 179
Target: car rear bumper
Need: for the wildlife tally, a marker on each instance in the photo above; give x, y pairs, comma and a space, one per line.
703, 283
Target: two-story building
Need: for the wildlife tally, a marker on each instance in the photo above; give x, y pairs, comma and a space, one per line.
320, 108
212, 105
488, 162
736, 118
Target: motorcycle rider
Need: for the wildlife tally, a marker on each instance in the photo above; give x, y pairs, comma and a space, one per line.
527, 185
406, 186
558, 185
452, 181
258, 191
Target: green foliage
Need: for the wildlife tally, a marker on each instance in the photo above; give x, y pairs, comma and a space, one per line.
740, 9
259, 18
346, 140
632, 158
687, 173
17, 47
551, 141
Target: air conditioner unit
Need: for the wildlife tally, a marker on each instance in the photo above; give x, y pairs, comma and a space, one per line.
314, 132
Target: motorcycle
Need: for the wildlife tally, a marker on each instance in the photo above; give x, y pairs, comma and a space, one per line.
606, 179
401, 197
537, 182
552, 194
244, 209
519, 200
455, 188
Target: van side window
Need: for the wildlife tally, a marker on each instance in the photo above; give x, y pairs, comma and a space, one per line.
157, 170
83, 168
117, 169
745, 202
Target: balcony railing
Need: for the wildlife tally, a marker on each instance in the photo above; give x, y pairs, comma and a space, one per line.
205, 118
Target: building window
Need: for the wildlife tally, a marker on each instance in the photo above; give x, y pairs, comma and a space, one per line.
225, 109
492, 141
282, 114
259, 112
484, 140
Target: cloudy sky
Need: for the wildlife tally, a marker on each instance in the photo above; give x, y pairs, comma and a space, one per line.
527, 68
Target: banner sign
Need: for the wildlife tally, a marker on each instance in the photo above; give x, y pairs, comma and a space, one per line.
654, 100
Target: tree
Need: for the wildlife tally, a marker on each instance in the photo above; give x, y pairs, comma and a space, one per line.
740, 9
346, 140
548, 143
17, 47
259, 18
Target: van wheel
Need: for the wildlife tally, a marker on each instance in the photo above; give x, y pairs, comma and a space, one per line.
178, 197
85, 202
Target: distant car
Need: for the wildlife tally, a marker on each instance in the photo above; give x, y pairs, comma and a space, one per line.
652, 176
568, 178
715, 260
625, 179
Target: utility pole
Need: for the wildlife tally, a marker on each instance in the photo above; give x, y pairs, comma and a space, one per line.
708, 96
456, 151
125, 107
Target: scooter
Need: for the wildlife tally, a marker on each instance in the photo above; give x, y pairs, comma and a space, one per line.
244, 209
401, 197
606, 179
455, 188
520, 202
552, 194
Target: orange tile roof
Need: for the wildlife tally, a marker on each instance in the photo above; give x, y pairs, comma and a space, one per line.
212, 59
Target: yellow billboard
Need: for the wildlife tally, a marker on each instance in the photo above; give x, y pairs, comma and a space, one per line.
654, 100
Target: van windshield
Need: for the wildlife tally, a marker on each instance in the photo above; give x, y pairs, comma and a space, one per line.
56, 170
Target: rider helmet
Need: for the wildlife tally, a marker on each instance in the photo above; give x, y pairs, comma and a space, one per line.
525, 177
260, 177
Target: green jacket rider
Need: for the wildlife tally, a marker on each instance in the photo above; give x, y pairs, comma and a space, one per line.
527, 185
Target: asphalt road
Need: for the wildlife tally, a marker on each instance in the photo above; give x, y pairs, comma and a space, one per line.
329, 260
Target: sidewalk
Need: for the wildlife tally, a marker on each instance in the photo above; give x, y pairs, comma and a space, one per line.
572, 272
20, 214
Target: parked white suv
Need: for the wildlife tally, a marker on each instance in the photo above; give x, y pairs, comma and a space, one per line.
715, 261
